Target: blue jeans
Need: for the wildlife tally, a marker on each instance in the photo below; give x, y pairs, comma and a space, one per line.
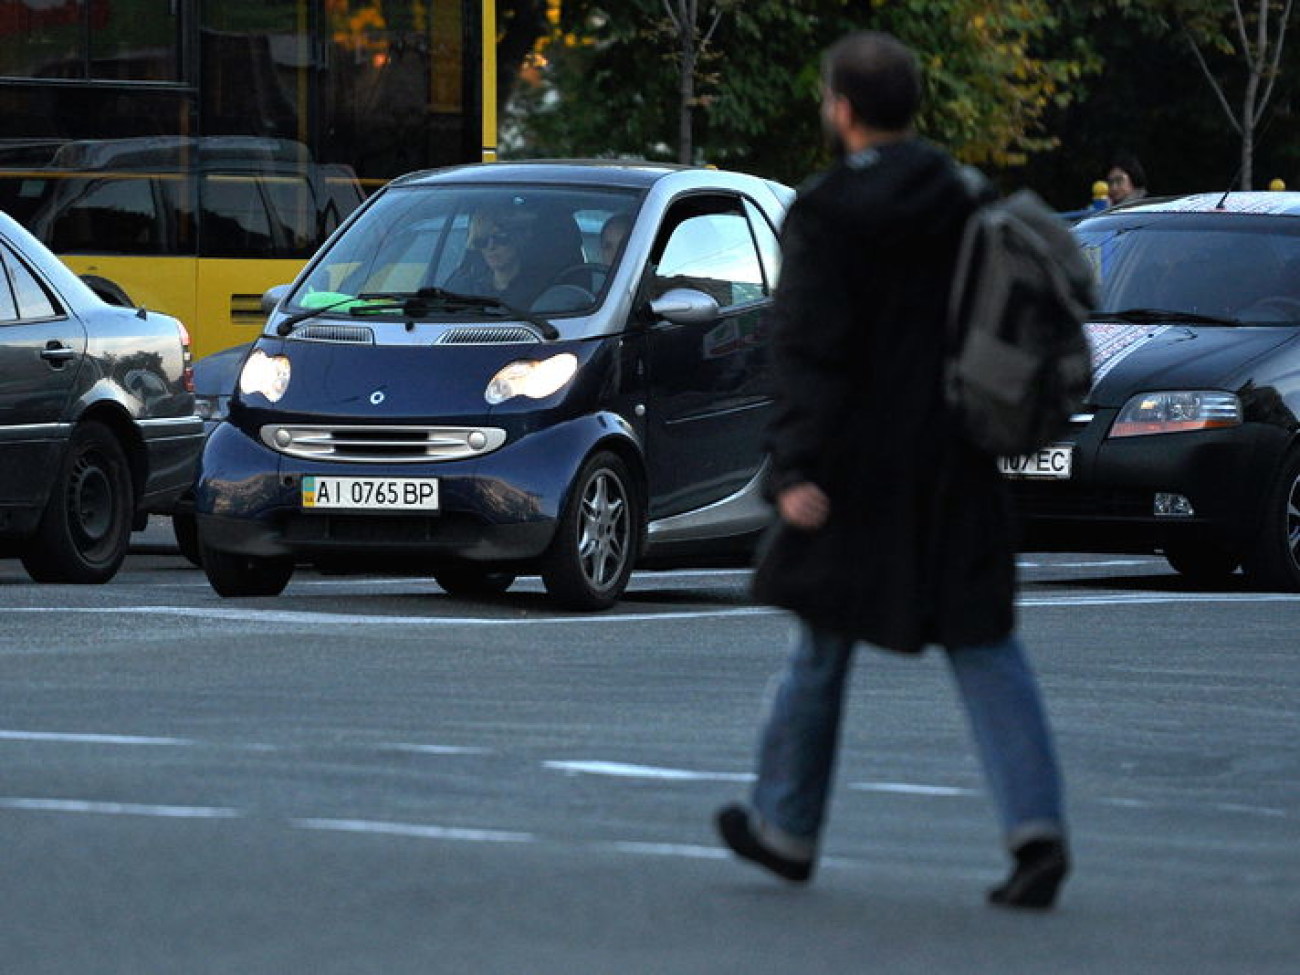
1000, 694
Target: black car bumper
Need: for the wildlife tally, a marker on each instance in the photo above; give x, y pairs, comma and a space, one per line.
1109, 502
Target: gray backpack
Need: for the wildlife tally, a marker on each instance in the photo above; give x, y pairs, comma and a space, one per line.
1019, 364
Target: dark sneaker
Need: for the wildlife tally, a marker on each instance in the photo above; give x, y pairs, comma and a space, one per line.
1041, 865
737, 831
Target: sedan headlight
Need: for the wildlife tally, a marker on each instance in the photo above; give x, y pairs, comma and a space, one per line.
265, 374
527, 377
1177, 412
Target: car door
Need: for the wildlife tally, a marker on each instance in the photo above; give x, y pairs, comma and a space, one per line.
709, 384
42, 350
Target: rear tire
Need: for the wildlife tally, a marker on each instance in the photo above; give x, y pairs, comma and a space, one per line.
1205, 564
186, 529
1273, 562
471, 581
591, 557
86, 527
230, 574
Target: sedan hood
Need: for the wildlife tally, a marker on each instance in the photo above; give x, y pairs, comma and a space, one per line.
1133, 358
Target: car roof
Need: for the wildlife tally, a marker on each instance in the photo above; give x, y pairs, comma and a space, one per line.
1263, 202
632, 174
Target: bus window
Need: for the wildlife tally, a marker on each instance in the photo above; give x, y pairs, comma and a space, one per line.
234, 222
116, 216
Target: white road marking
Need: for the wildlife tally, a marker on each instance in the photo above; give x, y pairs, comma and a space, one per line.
415, 830
436, 749
72, 738
908, 788
120, 808
671, 850
620, 770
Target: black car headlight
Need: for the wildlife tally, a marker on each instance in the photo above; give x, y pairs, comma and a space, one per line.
1177, 411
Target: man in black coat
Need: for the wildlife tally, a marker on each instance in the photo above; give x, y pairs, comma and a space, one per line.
892, 530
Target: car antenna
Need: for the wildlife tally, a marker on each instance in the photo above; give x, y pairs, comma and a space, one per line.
1231, 183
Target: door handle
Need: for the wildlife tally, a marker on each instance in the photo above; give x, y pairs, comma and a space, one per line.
57, 353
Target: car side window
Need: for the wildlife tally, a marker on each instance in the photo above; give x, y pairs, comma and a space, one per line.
769, 246
706, 244
33, 301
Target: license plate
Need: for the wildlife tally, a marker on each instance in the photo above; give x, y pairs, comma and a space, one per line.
1051, 462
371, 493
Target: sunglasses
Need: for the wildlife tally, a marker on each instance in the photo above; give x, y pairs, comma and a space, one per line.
498, 239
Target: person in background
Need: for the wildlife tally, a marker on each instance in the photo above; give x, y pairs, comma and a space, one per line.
1126, 181
892, 529
612, 235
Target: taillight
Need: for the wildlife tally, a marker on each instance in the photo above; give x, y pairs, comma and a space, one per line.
187, 359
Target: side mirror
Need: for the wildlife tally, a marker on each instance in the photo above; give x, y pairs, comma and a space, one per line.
685, 306
273, 297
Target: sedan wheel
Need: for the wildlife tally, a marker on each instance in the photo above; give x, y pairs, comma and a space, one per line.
1273, 562
1205, 564
594, 549
86, 528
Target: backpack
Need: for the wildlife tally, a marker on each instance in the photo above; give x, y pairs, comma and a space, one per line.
1018, 364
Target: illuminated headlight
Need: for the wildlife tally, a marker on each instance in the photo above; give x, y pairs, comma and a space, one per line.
265, 374
1177, 412
536, 380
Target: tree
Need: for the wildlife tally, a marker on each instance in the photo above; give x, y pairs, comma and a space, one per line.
752, 104
1237, 46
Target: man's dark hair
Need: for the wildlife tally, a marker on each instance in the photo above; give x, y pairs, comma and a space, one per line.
1128, 163
878, 75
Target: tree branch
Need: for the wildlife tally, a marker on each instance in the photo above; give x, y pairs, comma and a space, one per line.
1214, 83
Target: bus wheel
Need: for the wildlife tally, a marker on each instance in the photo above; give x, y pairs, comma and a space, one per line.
86, 527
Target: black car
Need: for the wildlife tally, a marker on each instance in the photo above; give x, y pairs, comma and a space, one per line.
97, 423
1188, 443
505, 369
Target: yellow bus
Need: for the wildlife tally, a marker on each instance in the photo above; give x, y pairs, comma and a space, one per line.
185, 156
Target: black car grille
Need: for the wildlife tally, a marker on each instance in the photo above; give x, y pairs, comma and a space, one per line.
356, 444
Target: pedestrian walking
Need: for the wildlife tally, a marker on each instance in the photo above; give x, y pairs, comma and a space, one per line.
892, 530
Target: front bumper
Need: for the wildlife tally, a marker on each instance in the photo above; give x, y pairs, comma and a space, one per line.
498, 509
1108, 503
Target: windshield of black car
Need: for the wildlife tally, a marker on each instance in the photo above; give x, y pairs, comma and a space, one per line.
1230, 266
545, 250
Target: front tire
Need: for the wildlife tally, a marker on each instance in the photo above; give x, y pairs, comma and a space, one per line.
591, 558
86, 527
471, 581
1273, 562
231, 574
186, 530
1204, 564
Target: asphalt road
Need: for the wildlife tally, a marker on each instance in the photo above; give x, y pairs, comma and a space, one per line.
365, 775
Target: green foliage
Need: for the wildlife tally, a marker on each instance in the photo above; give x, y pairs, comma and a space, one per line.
610, 84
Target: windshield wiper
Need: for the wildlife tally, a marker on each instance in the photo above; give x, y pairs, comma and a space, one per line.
1149, 316
287, 325
421, 302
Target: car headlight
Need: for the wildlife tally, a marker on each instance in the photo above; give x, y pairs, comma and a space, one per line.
265, 374
527, 377
1177, 412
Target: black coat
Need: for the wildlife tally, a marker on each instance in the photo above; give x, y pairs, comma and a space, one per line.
918, 547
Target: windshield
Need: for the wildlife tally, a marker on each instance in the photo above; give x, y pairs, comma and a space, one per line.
1212, 265
538, 249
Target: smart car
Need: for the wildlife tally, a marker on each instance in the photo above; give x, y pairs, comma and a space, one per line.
488, 371
1188, 442
97, 422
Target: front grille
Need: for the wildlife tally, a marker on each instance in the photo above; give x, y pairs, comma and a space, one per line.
382, 444
1055, 499
488, 335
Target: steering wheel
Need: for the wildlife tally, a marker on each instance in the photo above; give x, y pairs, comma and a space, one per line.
574, 274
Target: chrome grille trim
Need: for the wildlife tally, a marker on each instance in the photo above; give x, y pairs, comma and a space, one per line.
373, 444
488, 335
348, 334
